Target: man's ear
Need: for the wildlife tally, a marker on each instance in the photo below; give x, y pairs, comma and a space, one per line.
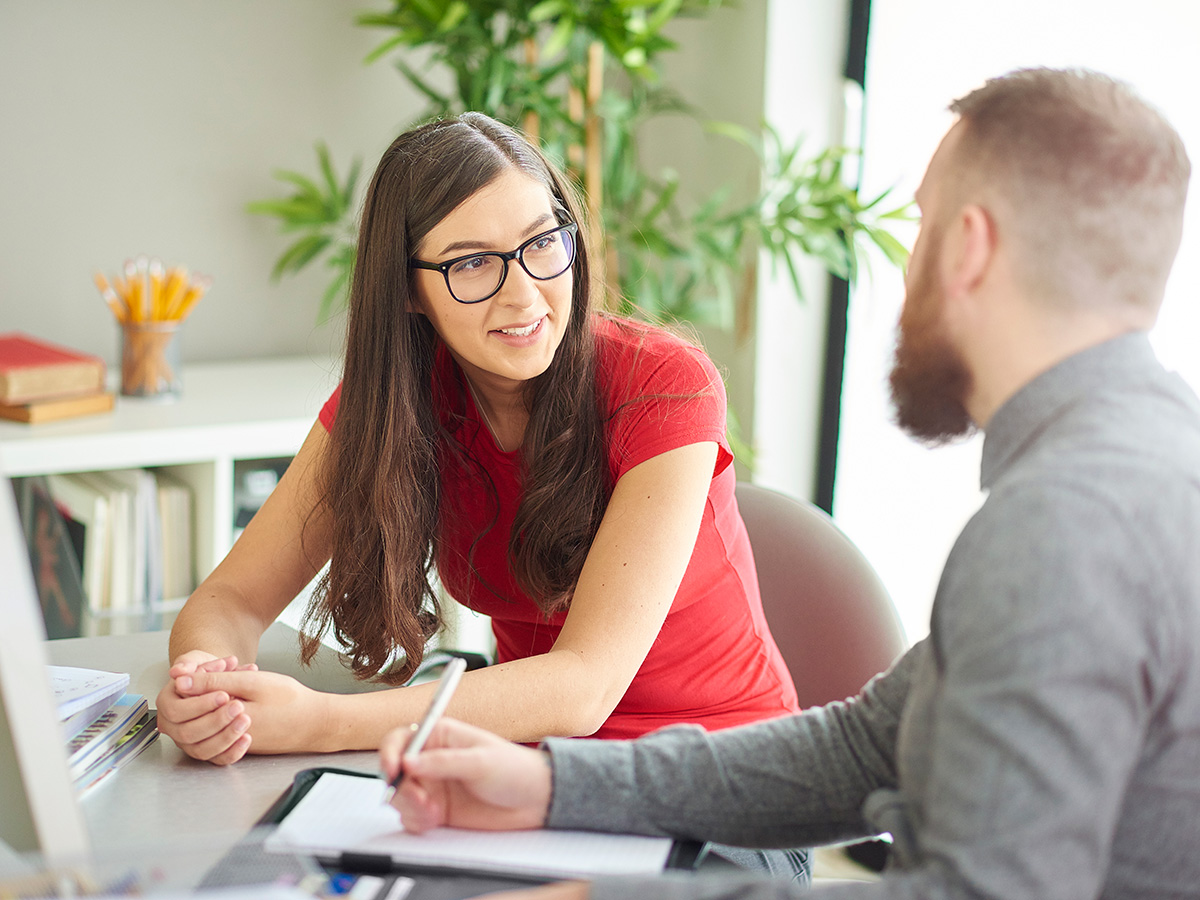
972, 250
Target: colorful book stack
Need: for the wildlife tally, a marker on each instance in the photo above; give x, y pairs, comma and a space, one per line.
103, 725
41, 381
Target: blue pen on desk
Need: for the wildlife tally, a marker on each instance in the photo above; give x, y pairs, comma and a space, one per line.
441, 699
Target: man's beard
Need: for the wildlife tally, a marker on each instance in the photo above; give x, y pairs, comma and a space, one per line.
929, 379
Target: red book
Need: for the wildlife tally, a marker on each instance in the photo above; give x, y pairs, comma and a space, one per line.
33, 369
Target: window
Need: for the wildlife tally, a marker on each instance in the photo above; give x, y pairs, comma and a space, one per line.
901, 503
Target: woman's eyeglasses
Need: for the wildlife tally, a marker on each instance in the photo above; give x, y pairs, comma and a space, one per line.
475, 278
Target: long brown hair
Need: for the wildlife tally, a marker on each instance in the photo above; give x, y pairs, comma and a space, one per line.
388, 443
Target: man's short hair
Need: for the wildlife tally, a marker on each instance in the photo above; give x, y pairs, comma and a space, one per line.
1092, 179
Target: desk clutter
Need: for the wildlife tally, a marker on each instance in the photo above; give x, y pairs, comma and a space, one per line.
104, 727
41, 381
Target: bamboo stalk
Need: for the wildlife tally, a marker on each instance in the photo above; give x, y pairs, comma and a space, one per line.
744, 310
575, 112
530, 122
593, 171
593, 177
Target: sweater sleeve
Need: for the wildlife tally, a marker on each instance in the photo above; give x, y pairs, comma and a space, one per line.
785, 782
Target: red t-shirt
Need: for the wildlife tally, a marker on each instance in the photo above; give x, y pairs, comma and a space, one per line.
714, 661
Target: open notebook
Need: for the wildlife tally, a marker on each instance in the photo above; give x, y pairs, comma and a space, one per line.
344, 819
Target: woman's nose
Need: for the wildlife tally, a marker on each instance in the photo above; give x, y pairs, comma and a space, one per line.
520, 289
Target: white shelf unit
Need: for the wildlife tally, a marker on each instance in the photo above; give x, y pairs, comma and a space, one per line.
228, 411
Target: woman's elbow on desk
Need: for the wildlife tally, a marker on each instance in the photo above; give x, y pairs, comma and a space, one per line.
574, 718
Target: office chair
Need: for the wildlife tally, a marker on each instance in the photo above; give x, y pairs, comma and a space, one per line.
830, 614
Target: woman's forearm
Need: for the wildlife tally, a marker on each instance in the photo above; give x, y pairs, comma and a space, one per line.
553, 694
216, 619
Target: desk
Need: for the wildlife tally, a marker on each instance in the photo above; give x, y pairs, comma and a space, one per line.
166, 804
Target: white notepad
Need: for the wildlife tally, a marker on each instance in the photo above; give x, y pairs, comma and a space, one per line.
347, 814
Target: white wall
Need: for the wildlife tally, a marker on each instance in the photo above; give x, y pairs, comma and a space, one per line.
137, 126
903, 504
806, 53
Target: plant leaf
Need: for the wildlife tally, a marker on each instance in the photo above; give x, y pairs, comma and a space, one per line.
299, 254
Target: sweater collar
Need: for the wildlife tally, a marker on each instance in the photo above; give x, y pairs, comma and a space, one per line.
1044, 399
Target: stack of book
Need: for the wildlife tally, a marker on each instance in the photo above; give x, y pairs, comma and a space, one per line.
41, 382
104, 726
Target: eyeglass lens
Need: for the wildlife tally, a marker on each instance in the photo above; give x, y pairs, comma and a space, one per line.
478, 277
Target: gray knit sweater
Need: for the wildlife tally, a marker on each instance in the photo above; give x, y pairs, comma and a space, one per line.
1043, 742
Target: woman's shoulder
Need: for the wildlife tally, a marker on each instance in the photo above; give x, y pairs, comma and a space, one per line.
635, 359
625, 344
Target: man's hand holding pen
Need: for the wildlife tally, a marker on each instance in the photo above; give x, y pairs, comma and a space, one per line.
466, 777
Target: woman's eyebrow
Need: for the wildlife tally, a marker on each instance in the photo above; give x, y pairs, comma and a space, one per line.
534, 227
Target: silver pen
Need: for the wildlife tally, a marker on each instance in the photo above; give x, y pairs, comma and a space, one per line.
441, 699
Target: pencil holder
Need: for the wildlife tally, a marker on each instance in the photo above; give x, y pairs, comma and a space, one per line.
150, 359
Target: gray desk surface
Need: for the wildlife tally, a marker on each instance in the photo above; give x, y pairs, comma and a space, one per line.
163, 809
165, 804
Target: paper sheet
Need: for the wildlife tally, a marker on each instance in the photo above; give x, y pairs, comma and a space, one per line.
76, 689
347, 813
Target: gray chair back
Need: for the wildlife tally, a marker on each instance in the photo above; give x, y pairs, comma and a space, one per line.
830, 614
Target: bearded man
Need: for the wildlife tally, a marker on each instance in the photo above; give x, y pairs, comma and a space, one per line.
1044, 740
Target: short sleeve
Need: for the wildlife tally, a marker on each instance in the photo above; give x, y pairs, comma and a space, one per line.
668, 395
329, 410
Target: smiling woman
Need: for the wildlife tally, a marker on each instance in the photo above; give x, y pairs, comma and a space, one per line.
566, 473
502, 344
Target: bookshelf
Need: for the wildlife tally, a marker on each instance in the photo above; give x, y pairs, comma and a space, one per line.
228, 415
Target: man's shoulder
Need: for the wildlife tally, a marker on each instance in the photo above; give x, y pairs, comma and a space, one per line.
1109, 478
1091, 516
1128, 440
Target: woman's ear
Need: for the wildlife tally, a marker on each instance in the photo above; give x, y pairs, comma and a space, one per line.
415, 304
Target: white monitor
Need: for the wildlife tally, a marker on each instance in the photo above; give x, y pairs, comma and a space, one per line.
40, 810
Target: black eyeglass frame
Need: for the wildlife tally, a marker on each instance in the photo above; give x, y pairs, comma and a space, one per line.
571, 228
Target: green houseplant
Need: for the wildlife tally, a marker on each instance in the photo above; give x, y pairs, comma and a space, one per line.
584, 77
